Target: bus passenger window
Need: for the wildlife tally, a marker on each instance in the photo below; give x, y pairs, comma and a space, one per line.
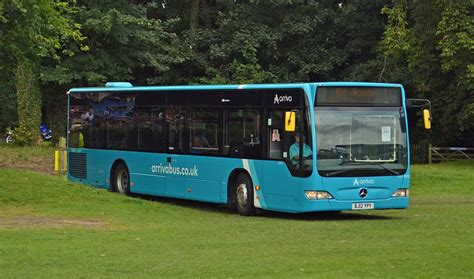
204, 131
242, 133
150, 128
174, 123
196, 145
278, 139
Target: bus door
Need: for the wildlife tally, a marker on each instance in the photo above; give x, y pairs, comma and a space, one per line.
279, 183
175, 180
288, 151
150, 134
174, 118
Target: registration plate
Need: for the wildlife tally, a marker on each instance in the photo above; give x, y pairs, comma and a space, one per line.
362, 205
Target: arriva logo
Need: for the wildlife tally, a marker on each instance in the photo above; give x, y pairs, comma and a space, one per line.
284, 98
174, 170
363, 182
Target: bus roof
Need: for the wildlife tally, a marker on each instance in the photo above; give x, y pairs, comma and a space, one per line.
125, 86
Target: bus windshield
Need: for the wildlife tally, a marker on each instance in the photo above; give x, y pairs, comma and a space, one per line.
360, 141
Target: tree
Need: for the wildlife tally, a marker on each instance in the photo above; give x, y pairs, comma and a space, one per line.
32, 31
433, 42
124, 43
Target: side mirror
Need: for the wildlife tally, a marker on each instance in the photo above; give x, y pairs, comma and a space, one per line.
290, 121
427, 119
424, 104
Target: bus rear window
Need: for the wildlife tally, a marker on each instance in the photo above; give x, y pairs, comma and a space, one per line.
358, 96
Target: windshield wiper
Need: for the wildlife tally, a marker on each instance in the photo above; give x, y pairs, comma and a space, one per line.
359, 163
387, 169
337, 172
370, 164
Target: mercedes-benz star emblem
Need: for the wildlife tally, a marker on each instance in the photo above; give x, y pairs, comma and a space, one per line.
363, 193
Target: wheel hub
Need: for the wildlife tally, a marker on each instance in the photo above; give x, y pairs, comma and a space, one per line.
242, 195
122, 181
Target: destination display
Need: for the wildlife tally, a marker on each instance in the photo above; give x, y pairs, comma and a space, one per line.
358, 96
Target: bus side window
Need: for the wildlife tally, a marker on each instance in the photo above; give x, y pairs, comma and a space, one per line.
284, 145
275, 144
150, 111
150, 129
204, 131
242, 133
278, 139
174, 118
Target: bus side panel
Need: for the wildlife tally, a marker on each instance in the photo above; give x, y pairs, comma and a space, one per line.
175, 182
87, 166
279, 188
143, 172
102, 161
148, 184
202, 176
95, 169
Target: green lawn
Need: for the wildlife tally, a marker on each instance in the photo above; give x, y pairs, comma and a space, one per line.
50, 227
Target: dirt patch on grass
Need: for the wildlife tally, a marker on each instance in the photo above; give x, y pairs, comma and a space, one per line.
41, 168
47, 222
27, 158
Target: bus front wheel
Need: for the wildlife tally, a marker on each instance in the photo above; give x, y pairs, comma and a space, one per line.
244, 195
121, 179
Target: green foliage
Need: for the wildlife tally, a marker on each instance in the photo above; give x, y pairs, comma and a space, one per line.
456, 32
8, 115
47, 144
395, 37
123, 44
281, 41
456, 29
29, 105
24, 136
35, 31
434, 45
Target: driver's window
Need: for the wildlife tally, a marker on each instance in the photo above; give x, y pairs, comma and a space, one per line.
285, 145
278, 140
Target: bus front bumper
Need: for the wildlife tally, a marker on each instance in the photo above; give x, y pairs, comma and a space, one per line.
337, 205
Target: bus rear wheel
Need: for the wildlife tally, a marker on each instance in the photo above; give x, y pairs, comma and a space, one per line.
121, 179
244, 195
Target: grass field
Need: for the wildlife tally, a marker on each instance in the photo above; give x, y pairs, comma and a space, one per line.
50, 227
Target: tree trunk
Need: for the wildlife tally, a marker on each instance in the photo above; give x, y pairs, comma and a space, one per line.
194, 18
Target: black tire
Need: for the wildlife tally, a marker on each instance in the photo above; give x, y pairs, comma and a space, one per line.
121, 179
244, 195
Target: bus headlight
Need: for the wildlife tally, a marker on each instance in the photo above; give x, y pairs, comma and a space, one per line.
401, 193
317, 195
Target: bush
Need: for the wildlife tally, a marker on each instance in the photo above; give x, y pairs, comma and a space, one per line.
23, 136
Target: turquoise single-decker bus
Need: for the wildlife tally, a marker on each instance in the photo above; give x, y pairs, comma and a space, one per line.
298, 147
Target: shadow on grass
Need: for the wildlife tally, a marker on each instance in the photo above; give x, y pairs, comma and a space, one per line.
327, 216
308, 216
